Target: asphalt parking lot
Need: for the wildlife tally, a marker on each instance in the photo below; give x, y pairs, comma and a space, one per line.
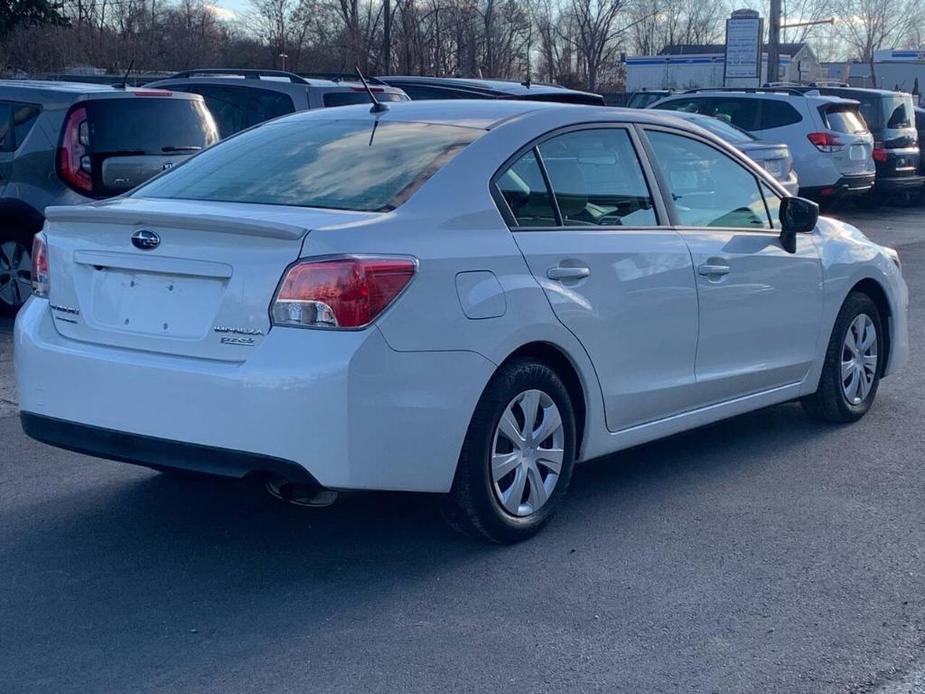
768, 553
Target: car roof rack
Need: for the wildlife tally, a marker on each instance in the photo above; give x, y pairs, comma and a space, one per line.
245, 73
339, 77
767, 89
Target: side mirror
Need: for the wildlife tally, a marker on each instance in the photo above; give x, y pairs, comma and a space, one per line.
797, 216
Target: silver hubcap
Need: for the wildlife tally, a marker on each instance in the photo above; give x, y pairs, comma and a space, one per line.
15, 273
527, 453
859, 359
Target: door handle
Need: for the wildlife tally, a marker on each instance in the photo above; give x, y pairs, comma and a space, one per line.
560, 272
713, 270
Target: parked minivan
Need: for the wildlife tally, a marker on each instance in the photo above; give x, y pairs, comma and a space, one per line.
890, 117
65, 143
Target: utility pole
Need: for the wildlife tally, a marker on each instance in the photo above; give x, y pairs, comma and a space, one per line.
774, 42
387, 37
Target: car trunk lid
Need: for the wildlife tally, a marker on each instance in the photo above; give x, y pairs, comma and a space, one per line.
184, 278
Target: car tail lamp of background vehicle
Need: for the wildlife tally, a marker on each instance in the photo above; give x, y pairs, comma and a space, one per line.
39, 266
74, 165
340, 293
880, 153
825, 142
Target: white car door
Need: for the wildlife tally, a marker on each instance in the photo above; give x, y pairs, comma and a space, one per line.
760, 306
615, 274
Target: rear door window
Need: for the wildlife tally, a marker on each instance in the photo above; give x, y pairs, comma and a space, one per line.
23, 117
6, 129
693, 105
236, 108
777, 114
742, 113
898, 112
597, 180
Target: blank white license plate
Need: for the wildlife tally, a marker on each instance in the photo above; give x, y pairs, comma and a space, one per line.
857, 153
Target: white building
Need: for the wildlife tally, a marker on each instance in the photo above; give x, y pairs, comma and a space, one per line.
687, 66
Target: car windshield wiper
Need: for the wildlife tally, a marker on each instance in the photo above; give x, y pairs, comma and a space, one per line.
186, 148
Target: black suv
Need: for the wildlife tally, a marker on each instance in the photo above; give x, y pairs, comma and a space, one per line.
424, 88
891, 119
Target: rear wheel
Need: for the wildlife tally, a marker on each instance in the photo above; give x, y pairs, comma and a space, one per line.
15, 271
517, 458
853, 363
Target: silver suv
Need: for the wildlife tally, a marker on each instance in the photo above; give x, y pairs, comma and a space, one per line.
241, 98
67, 143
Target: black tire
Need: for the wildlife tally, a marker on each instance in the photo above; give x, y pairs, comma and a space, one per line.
23, 239
472, 506
829, 402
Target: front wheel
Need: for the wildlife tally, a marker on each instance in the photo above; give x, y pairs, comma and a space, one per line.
853, 363
517, 458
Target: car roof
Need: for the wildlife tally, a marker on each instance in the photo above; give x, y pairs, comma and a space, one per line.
757, 94
69, 92
487, 114
509, 87
264, 79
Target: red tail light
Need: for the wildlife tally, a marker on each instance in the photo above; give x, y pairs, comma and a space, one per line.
39, 266
825, 142
74, 165
880, 154
340, 293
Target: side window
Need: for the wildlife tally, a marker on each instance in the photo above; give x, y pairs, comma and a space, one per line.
525, 192
597, 179
686, 105
23, 117
6, 129
236, 108
777, 114
742, 113
709, 189
772, 200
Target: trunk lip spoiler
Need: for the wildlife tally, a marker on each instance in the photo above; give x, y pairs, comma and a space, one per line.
176, 220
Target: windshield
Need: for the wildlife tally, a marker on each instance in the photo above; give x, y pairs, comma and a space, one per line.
344, 164
727, 131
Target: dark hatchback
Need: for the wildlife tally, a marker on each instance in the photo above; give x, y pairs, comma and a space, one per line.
891, 119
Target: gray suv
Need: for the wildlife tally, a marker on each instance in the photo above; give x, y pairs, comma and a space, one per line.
67, 143
241, 98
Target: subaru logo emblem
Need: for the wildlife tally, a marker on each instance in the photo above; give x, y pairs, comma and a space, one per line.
145, 239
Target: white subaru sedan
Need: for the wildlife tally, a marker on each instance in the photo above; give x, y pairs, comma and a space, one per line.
463, 298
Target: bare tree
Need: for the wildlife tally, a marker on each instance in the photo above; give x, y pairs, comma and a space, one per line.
866, 26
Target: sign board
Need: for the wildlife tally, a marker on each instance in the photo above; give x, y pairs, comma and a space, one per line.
743, 47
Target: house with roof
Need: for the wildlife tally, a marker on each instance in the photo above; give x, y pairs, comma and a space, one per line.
690, 66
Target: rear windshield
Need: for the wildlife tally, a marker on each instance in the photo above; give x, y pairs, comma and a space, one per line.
844, 119
346, 98
342, 164
886, 111
149, 125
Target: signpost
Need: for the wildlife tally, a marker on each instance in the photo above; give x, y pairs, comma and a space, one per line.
744, 31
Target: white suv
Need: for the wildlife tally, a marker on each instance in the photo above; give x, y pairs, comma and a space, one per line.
831, 145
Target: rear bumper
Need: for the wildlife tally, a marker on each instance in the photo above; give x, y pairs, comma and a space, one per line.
898, 184
341, 408
855, 184
160, 454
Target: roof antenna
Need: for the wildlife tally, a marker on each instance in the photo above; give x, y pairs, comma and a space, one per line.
378, 106
124, 84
